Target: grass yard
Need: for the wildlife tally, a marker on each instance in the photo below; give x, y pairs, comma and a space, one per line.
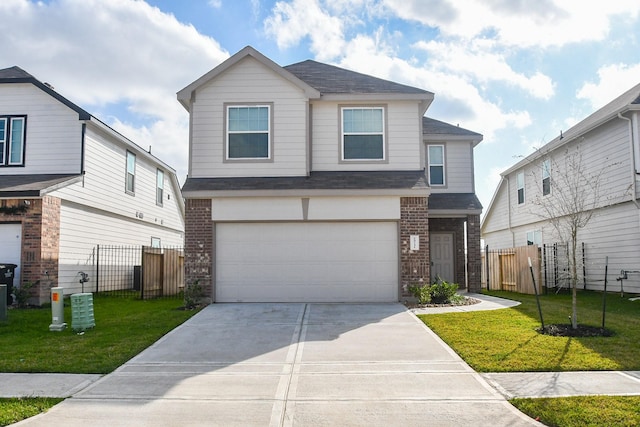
14, 410
124, 327
506, 340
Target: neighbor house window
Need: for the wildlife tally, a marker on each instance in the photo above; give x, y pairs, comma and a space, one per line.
248, 132
12, 138
363, 133
520, 183
155, 242
131, 172
436, 164
534, 237
546, 177
159, 187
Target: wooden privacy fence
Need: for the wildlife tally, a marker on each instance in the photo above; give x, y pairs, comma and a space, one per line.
508, 269
162, 272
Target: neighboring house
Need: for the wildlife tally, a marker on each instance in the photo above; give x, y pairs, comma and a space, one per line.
314, 183
68, 182
607, 148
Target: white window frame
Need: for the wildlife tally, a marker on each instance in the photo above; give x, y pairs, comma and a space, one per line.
228, 132
546, 175
431, 164
159, 187
156, 243
520, 185
534, 237
382, 133
8, 142
128, 173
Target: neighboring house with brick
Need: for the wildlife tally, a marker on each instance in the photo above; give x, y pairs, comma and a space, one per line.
314, 183
601, 152
68, 182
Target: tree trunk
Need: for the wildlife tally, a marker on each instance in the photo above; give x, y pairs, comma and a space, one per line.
574, 283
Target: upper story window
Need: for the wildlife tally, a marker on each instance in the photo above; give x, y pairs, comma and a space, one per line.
435, 154
131, 173
159, 187
12, 139
546, 177
363, 130
520, 184
248, 132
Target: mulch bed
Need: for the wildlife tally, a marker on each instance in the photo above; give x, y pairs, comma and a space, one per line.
566, 330
466, 301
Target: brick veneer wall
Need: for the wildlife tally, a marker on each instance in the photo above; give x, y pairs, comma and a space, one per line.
474, 263
40, 243
414, 220
199, 244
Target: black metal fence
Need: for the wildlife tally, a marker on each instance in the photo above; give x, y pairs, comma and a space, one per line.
556, 266
139, 270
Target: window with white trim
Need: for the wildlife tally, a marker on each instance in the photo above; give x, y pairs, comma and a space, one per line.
520, 184
435, 155
363, 133
130, 185
248, 132
534, 237
12, 140
159, 187
155, 242
546, 177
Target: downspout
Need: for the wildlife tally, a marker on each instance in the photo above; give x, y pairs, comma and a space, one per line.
633, 161
82, 150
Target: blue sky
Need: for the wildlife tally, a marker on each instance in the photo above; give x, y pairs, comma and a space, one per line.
517, 72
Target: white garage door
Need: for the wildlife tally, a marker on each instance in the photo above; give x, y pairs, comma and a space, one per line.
307, 262
11, 246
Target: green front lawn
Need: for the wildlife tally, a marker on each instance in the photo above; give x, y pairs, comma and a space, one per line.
506, 340
14, 410
124, 327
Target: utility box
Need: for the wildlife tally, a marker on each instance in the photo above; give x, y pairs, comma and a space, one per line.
82, 317
57, 310
7, 273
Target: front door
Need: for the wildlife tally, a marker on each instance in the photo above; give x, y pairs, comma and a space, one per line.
442, 261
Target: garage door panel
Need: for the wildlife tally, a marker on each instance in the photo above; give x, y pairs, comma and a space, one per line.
323, 262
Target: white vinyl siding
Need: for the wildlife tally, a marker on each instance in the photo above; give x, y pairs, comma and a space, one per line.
52, 141
403, 133
102, 187
249, 83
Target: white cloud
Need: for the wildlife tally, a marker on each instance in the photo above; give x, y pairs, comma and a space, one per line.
479, 61
613, 80
291, 22
216, 4
98, 53
518, 24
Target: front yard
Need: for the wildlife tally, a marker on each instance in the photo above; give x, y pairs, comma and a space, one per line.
507, 341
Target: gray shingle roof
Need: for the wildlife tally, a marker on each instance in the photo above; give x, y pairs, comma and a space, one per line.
33, 185
454, 201
13, 73
316, 181
329, 79
436, 127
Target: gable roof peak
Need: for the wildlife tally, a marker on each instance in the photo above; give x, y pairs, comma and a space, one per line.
14, 72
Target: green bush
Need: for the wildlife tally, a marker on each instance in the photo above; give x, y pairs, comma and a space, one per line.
23, 293
193, 295
440, 292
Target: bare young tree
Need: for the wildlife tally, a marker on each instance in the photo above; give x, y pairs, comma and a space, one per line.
569, 196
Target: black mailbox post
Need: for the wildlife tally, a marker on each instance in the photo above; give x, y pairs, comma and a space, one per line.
7, 272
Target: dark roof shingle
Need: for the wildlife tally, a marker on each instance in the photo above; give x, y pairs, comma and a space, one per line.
329, 79
316, 181
33, 185
436, 127
454, 201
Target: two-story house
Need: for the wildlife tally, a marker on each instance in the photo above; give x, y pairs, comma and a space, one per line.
590, 171
68, 182
314, 183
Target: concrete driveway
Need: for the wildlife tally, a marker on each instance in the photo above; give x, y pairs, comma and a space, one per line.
291, 365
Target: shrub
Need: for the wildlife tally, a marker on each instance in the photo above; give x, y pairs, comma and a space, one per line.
440, 292
193, 295
23, 293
